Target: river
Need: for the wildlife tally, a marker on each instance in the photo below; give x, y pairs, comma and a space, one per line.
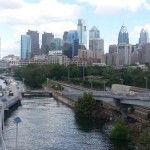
50, 125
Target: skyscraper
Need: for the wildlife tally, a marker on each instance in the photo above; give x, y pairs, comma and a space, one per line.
95, 43
94, 33
123, 37
82, 32
34, 42
144, 37
46, 42
25, 47
65, 35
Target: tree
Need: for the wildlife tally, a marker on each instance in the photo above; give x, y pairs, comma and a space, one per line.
85, 106
120, 131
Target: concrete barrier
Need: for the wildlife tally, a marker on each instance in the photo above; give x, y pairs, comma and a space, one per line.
64, 99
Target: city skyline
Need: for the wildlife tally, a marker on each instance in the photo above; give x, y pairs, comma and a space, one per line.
106, 16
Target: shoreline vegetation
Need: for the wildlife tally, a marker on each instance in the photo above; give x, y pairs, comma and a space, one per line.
138, 133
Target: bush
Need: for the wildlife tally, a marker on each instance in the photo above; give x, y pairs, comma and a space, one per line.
120, 131
85, 106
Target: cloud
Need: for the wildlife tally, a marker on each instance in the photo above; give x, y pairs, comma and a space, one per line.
135, 33
10, 4
43, 12
106, 7
44, 16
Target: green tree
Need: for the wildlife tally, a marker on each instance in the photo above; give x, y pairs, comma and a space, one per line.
120, 130
85, 106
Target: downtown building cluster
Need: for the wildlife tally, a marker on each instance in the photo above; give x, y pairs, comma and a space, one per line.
76, 48
71, 49
124, 53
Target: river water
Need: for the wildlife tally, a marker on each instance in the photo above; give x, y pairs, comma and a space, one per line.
50, 125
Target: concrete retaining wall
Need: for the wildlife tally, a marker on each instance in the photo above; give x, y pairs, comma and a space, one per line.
65, 100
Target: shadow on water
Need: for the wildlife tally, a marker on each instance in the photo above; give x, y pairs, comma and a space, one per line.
87, 125
122, 145
9, 112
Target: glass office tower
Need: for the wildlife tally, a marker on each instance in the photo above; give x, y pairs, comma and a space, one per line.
25, 47
144, 37
82, 32
123, 37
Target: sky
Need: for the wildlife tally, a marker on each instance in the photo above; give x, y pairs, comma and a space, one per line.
57, 16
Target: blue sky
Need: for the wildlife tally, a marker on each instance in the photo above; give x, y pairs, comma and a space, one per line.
57, 16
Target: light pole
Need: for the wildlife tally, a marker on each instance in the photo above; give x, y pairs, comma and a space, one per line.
145, 83
91, 83
47, 82
23, 84
104, 85
83, 71
121, 81
68, 72
17, 120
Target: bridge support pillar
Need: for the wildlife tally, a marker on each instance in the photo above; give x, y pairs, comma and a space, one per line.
123, 108
124, 111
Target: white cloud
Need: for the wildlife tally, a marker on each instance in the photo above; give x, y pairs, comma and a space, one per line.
43, 12
44, 16
135, 33
107, 7
10, 4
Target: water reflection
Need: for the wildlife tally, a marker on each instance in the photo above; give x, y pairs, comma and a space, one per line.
50, 125
87, 125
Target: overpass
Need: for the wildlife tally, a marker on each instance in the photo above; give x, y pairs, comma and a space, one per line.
140, 100
122, 100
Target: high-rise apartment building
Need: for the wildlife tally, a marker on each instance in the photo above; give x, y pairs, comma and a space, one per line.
95, 43
46, 42
144, 37
123, 37
82, 32
34, 42
25, 47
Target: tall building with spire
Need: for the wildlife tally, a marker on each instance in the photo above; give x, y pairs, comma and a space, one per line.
82, 32
123, 37
144, 37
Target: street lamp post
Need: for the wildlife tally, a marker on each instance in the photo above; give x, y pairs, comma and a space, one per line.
145, 83
47, 82
91, 83
83, 72
121, 81
68, 72
104, 85
23, 83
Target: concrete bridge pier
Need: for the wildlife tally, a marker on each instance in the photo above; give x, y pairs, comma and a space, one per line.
123, 108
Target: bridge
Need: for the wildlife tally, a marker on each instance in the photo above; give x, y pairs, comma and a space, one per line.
122, 99
36, 93
141, 100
